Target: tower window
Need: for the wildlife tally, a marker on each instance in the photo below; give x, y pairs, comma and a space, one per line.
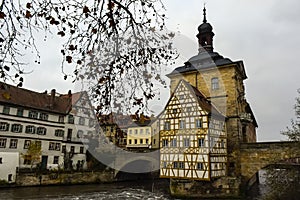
215, 83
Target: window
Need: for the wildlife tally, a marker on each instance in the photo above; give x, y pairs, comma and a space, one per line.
175, 165
141, 131
135, 131
33, 114
164, 164
59, 133
154, 141
165, 143
61, 119
30, 129
27, 144
2, 142
198, 123
175, 111
141, 141
215, 83
79, 133
41, 131
64, 149
81, 121
27, 159
147, 131
6, 110
188, 109
81, 150
4, 126
55, 159
57, 146
135, 141
71, 119
222, 144
186, 142
20, 112
147, 141
13, 143
174, 142
0, 160
130, 132
181, 97
201, 142
200, 166
43, 116
167, 126
181, 165
54, 146
129, 141
72, 149
181, 124
16, 128
51, 145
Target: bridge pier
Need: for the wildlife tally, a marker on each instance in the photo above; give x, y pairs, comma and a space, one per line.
224, 187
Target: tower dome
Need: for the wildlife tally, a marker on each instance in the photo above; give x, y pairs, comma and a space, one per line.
205, 35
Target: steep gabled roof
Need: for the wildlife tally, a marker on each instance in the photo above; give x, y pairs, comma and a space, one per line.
202, 100
21, 97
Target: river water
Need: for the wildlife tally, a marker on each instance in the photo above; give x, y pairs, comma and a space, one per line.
140, 189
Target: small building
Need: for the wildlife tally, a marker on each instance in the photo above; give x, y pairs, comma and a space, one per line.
139, 135
192, 137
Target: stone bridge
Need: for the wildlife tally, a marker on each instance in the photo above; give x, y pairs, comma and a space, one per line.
255, 156
136, 162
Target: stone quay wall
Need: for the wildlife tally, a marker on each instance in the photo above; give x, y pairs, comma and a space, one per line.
64, 178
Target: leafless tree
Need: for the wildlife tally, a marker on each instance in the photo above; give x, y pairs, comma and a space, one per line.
114, 45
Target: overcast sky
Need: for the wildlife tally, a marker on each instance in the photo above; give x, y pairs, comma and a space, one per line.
264, 34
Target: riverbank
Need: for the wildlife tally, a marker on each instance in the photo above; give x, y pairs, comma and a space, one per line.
61, 178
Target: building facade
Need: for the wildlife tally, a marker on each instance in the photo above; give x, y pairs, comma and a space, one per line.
28, 117
220, 81
192, 135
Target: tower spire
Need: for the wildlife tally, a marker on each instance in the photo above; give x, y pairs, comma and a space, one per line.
204, 14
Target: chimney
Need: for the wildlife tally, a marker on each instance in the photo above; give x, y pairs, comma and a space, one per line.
52, 98
70, 93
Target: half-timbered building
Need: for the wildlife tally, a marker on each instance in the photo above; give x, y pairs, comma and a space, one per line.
192, 136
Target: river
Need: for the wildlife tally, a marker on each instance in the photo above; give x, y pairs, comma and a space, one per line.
141, 189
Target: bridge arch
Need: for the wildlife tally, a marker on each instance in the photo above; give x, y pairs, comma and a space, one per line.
137, 163
256, 156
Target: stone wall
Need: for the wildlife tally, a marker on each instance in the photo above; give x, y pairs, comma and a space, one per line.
255, 156
225, 187
59, 178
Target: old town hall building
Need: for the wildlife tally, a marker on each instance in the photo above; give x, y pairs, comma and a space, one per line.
206, 118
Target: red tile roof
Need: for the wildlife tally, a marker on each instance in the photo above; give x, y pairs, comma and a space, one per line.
21, 97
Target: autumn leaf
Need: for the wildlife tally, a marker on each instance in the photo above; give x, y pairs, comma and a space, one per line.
72, 47
28, 5
2, 15
61, 33
28, 14
86, 9
69, 59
